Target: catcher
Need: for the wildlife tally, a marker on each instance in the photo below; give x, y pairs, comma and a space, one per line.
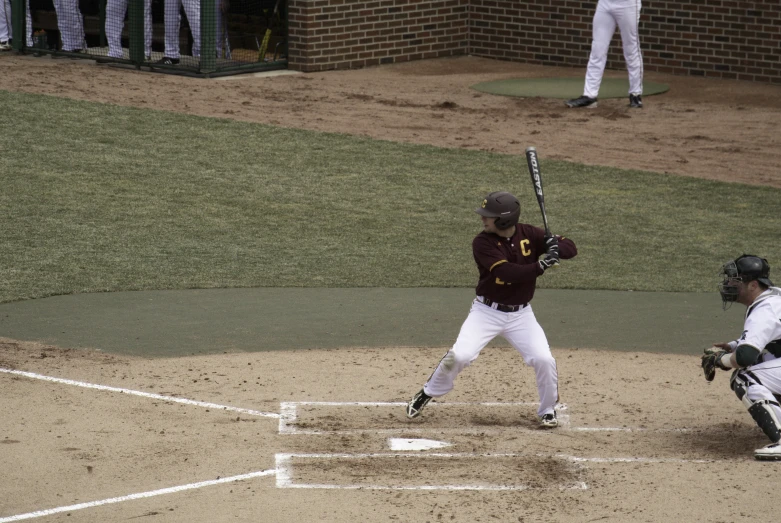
756, 355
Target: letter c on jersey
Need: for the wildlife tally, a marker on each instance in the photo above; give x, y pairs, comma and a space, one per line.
524, 250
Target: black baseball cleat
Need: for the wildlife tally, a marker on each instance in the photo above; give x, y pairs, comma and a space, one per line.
168, 61
583, 101
417, 403
636, 101
548, 421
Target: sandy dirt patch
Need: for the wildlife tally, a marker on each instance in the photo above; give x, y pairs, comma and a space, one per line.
644, 438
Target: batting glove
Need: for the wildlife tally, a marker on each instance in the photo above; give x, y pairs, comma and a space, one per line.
548, 261
552, 245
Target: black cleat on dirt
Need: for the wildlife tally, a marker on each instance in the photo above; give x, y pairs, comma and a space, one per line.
636, 101
549, 421
417, 403
583, 101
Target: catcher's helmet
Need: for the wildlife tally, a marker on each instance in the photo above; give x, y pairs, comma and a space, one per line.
503, 206
745, 268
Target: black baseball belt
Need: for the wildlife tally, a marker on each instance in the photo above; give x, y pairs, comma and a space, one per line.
501, 307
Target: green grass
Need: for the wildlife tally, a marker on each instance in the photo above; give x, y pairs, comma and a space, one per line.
96, 197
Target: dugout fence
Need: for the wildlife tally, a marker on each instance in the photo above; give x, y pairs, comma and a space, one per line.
195, 37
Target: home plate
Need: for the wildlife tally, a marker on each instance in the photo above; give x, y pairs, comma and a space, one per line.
416, 444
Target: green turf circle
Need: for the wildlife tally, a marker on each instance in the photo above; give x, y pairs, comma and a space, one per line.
563, 88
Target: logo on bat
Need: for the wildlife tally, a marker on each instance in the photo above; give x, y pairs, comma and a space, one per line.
536, 174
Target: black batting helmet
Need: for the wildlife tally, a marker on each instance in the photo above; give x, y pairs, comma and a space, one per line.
745, 268
503, 206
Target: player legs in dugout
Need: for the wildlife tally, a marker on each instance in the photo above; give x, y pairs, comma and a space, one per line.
510, 256
115, 21
70, 22
6, 30
755, 357
624, 14
172, 20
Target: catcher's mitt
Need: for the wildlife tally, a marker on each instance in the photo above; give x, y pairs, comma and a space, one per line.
711, 360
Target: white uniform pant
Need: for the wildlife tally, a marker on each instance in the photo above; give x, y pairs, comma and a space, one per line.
115, 21
764, 381
6, 30
520, 329
192, 8
626, 15
71, 24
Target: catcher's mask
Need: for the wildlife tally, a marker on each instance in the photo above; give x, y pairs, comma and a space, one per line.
503, 206
745, 268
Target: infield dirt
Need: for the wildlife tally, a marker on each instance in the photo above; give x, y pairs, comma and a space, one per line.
674, 447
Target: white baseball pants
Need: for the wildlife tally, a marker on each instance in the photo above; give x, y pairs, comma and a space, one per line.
769, 374
71, 24
520, 329
173, 20
6, 30
626, 15
115, 21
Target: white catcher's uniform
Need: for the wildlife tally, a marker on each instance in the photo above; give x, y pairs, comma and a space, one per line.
6, 31
520, 329
115, 21
626, 15
762, 329
70, 22
173, 19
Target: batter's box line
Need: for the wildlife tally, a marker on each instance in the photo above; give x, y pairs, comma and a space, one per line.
284, 469
139, 495
289, 415
151, 395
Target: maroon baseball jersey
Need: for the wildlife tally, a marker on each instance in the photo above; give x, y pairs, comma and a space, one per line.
508, 266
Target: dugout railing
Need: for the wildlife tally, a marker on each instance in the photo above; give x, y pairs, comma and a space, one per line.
194, 37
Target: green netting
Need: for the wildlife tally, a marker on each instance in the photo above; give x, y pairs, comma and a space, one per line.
202, 37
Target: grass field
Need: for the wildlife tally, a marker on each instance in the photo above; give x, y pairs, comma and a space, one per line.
101, 198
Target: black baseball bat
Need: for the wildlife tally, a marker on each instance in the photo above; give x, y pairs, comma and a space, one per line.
534, 169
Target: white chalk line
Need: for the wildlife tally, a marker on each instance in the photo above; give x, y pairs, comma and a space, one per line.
403, 403
578, 459
628, 429
151, 395
140, 495
289, 415
285, 473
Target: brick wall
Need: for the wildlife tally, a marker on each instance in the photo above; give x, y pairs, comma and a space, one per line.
717, 38
331, 34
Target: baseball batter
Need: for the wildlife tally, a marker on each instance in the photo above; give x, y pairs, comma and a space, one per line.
6, 29
115, 21
507, 254
756, 354
611, 13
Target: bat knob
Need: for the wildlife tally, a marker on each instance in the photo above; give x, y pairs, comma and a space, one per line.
531, 148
